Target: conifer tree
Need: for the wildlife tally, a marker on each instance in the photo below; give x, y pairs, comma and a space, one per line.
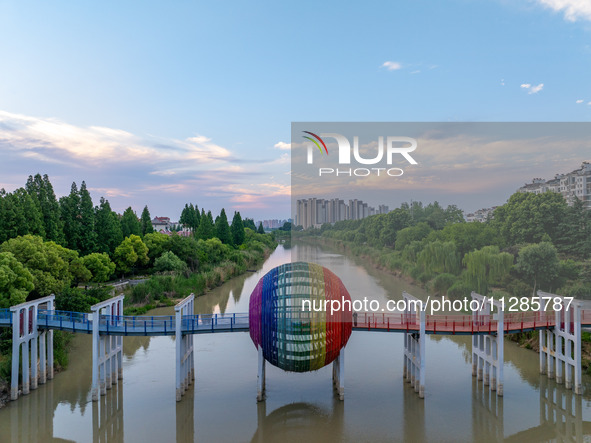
87, 229
146, 222
222, 228
108, 228
130, 225
71, 217
237, 229
261, 230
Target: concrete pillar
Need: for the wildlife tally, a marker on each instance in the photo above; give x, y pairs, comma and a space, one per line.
16, 333
34, 350
95, 356
50, 307
42, 358
25, 353
558, 347
102, 367
577, 345
340, 372
422, 356
550, 353
543, 360
261, 376
500, 357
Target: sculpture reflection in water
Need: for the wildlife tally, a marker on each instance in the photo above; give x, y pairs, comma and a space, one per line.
297, 422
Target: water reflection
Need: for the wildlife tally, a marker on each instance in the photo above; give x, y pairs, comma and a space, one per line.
221, 406
107, 416
297, 422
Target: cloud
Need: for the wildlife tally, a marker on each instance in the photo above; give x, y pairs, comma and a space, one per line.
572, 9
283, 146
579, 101
502, 82
392, 66
416, 72
532, 89
134, 170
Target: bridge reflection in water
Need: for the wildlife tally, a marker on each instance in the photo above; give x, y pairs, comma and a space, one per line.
560, 417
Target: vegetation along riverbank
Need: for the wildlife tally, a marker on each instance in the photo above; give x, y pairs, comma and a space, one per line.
73, 249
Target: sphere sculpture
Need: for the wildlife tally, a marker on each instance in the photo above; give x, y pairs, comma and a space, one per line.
291, 338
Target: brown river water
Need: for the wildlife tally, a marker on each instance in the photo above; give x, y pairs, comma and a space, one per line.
221, 406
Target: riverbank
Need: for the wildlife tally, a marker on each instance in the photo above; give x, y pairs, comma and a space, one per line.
374, 257
167, 290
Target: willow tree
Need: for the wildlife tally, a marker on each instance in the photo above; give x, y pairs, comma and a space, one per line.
486, 266
439, 257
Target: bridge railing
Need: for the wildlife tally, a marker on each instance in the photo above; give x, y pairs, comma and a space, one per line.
63, 320
5, 315
461, 323
204, 322
126, 324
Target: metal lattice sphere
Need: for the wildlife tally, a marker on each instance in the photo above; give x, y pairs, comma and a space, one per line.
291, 338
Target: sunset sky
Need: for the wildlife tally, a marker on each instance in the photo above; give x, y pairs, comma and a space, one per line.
163, 103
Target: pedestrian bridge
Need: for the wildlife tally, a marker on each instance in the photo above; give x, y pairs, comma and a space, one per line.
155, 325
33, 324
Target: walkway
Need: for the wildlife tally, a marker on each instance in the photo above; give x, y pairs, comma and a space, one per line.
145, 325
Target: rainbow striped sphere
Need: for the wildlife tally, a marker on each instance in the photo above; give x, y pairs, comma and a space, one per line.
291, 338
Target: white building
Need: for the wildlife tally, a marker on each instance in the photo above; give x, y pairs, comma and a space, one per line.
314, 212
575, 184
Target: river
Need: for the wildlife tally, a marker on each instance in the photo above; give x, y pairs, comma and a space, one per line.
222, 407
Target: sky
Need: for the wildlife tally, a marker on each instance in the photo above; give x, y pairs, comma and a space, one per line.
163, 103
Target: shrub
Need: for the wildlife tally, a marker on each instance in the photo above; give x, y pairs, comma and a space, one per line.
459, 290
443, 282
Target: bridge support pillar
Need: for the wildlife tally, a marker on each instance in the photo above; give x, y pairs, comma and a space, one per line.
185, 371
560, 346
488, 349
414, 345
338, 374
107, 350
261, 376
27, 348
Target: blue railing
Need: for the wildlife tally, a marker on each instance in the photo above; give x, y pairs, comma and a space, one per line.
127, 324
136, 325
213, 322
5, 316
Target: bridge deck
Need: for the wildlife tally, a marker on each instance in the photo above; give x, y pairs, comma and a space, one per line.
145, 325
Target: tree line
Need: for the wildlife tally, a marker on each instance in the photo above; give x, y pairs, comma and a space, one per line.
48, 245
534, 241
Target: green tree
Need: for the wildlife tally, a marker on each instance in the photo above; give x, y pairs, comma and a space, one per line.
237, 229
486, 266
131, 253
169, 262
71, 218
100, 266
412, 233
88, 236
44, 260
146, 222
41, 189
249, 223
538, 262
15, 281
222, 228
108, 228
130, 225
206, 228
157, 243
260, 229
526, 217
439, 257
